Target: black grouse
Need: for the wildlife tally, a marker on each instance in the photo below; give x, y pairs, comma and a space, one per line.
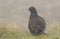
36, 23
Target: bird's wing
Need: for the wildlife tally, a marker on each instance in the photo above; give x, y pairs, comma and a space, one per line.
41, 23
40, 20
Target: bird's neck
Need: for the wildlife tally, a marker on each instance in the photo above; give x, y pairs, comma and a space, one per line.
34, 13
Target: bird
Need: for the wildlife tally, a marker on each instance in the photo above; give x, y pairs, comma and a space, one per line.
36, 23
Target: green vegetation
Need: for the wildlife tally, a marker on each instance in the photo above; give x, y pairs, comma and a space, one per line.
6, 33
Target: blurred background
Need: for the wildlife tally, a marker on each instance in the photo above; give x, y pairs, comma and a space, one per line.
16, 12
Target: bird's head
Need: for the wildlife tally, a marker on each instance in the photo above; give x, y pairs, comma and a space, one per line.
32, 9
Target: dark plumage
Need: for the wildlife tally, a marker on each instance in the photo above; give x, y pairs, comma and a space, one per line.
36, 23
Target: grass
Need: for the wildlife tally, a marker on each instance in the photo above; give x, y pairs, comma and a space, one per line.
6, 33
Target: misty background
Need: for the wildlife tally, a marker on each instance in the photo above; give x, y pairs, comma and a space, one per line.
16, 11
